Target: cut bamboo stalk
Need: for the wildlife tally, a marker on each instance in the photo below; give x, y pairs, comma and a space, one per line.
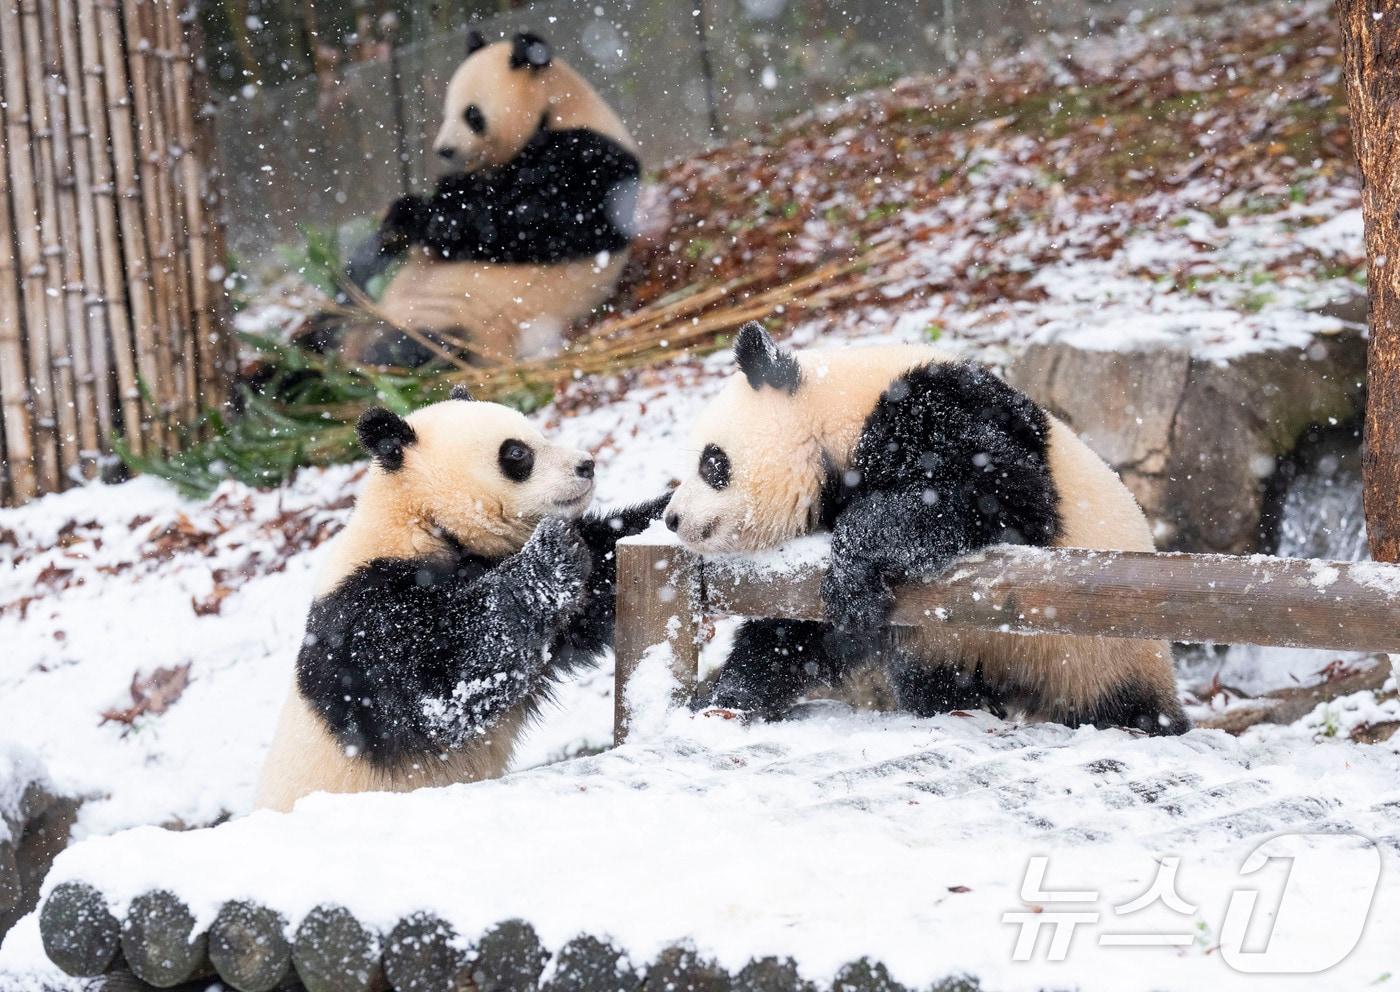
140, 283
23, 187
79, 932
119, 345
51, 239
20, 477
159, 940
248, 947
96, 387
76, 357
333, 952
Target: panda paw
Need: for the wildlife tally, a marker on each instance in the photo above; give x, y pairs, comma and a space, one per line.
402, 224
857, 604
562, 563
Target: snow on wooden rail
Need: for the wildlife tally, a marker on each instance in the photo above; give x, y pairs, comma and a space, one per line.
1281, 602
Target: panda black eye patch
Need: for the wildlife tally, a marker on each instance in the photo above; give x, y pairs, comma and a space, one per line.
475, 119
517, 460
714, 467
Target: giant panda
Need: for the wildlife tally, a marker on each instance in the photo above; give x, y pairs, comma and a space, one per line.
909, 458
529, 230
467, 580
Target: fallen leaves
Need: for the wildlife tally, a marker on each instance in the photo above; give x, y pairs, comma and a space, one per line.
153, 694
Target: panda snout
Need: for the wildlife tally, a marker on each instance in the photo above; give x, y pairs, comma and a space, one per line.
673, 521
446, 152
584, 469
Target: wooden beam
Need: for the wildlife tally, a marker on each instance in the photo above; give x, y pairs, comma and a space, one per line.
1371, 57
1283, 602
658, 591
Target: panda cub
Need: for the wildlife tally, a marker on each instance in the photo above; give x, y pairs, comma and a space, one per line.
529, 229
909, 459
466, 582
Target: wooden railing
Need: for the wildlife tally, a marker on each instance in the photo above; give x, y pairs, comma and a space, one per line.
664, 591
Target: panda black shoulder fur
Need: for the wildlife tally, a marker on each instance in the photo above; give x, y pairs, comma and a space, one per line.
910, 459
467, 580
532, 225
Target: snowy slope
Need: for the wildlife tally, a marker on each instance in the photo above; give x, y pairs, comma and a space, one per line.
104, 585
831, 838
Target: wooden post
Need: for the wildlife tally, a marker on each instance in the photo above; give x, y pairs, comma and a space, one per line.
1371, 55
658, 596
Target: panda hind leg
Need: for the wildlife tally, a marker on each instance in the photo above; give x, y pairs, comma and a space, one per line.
772, 665
1136, 706
928, 688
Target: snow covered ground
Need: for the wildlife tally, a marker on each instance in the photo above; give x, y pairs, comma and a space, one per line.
772, 838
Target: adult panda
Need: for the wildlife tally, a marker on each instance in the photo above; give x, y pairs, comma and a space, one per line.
531, 228
909, 459
466, 582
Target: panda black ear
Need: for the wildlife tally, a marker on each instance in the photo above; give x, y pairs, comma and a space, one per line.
475, 42
384, 435
529, 51
460, 392
763, 362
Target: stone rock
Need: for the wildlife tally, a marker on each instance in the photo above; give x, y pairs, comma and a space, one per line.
38, 827
1197, 440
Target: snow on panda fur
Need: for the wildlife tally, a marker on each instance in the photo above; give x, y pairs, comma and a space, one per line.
467, 580
531, 229
910, 459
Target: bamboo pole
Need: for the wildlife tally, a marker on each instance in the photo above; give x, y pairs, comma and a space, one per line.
144, 82
166, 32
1371, 56
77, 358
51, 238
20, 478
120, 344
97, 325
192, 176
140, 284
223, 346
31, 258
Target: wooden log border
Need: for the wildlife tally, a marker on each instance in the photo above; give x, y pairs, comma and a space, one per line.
113, 316
253, 948
1226, 599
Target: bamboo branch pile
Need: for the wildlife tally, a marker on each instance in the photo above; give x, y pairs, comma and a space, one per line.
660, 331
111, 251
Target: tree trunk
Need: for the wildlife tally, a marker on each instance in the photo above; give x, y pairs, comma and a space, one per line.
1371, 53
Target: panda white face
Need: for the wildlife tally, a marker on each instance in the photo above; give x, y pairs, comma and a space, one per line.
758, 469
479, 471
496, 101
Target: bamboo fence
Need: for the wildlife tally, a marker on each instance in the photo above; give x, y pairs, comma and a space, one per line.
112, 310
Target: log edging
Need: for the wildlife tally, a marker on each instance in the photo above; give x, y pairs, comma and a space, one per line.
251, 947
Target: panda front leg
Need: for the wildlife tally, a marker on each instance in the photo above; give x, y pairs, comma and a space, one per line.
397, 668
772, 664
592, 630
880, 540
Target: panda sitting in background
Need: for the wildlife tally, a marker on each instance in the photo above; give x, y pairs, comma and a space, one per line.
456, 596
910, 459
531, 229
